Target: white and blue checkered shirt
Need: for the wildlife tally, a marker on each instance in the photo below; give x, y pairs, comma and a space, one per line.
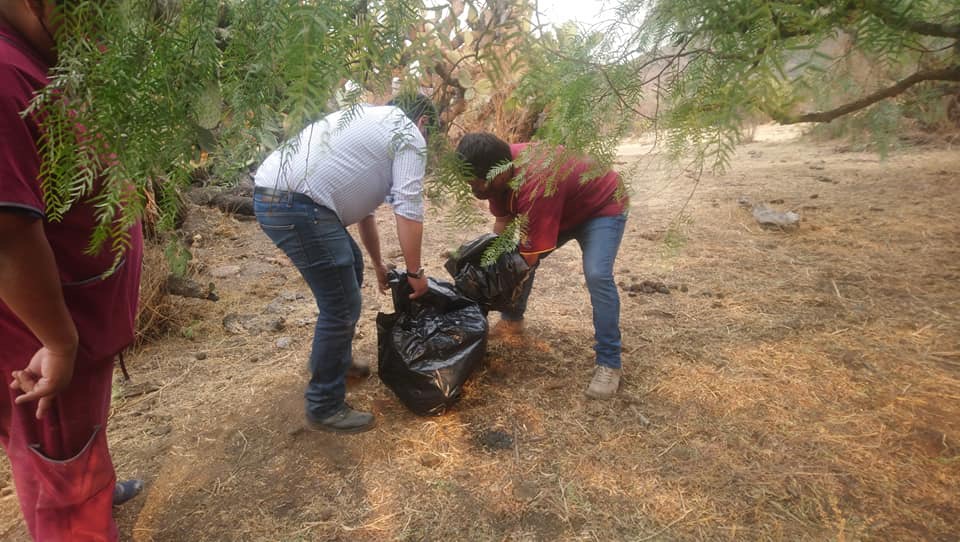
353, 160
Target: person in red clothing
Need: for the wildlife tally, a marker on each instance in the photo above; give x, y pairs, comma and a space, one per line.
562, 198
64, 314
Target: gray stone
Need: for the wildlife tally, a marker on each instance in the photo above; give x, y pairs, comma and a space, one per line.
225, 271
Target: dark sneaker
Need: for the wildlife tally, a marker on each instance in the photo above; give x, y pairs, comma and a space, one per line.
346, 420
358, 370
126, 490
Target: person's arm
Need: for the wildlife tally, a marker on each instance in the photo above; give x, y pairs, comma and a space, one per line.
410, 235
30, 287
370, 238
501, 224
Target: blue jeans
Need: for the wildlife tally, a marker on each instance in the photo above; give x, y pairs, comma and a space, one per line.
599, 239
331, 264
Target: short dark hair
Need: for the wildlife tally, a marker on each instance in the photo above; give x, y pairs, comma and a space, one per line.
482, 151
415, 106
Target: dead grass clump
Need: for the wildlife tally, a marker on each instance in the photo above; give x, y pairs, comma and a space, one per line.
157, 313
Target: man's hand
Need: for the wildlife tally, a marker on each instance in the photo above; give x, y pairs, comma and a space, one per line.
419, 286
47, 374
381, 271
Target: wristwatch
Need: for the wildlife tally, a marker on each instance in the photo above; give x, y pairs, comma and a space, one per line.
418, 275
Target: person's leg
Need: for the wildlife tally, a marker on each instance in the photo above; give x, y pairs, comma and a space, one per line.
61, 464
600, 238
354, 368
326, 256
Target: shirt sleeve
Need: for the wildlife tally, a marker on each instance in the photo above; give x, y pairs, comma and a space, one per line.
409, 167
19, 160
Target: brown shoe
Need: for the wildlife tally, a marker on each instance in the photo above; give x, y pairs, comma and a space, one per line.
507, 328
604, 383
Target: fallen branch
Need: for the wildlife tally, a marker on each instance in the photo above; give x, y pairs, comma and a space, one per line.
946, 74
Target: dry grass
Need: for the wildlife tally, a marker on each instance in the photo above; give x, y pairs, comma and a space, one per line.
792, 386
157, 313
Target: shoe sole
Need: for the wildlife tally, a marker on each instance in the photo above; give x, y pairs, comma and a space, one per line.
348, 431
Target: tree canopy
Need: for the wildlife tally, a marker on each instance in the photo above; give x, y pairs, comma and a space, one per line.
161, 87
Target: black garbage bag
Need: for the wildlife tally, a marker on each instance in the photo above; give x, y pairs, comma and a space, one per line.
430, 346
495, 287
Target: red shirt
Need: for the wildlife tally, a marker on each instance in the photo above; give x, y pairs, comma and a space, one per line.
556, 199
103, 308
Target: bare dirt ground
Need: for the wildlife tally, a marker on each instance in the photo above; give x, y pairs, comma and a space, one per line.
792, 385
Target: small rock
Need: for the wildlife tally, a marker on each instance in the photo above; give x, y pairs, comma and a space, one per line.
814, 196
159, 430
526, 491
200, 356
777, 201
185, 287
326, 514
141, 388
766, 216
684, 288
274, 325
644, 421
225, 271
284, 342
430, 460
234, 323
823, 179
253, 359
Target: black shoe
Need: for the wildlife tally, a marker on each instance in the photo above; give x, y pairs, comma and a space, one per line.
357, 370
126, 490
346, 420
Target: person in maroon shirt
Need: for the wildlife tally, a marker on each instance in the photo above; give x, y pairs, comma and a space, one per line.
64, 314
563, 198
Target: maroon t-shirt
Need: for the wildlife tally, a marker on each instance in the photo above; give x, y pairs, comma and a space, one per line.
103, 306
555, 196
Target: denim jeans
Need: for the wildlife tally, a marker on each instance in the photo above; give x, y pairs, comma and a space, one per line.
599, 239
331, 264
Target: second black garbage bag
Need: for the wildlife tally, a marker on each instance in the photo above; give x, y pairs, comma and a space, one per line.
495, 287
429, 347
